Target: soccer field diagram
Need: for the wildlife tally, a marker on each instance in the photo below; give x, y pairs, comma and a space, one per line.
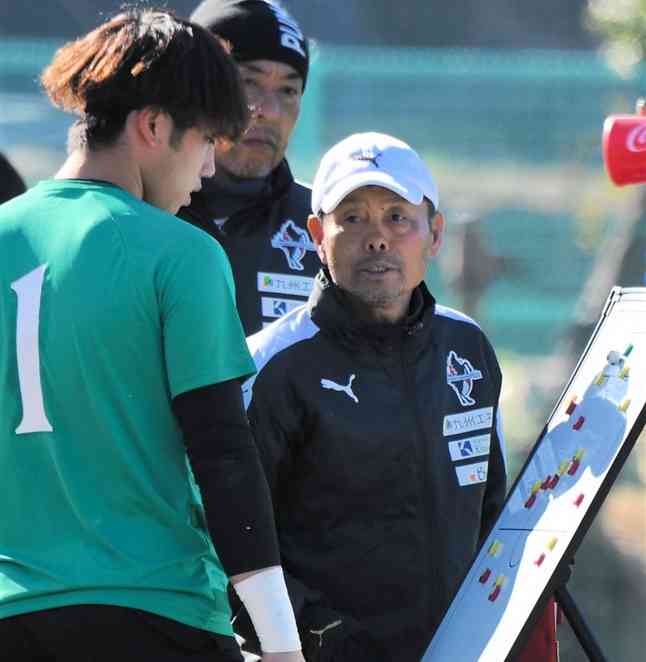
557, 493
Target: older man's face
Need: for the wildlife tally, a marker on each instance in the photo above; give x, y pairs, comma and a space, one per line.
274, 90
377, 247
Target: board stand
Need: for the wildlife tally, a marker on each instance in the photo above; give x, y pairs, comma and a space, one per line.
578, 624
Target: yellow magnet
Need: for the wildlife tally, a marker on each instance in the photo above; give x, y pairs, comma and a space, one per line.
563, 467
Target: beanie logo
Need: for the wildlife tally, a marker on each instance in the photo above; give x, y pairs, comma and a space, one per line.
290, 35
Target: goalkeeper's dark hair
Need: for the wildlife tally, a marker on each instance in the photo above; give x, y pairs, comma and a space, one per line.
147, 58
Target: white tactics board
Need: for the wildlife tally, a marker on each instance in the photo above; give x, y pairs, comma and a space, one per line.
557, 494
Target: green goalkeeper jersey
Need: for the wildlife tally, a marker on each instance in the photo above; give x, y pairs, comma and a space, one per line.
109, 308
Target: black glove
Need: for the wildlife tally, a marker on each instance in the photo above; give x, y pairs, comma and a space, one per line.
328, 636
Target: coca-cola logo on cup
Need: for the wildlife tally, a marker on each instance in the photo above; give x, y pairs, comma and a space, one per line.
636, 138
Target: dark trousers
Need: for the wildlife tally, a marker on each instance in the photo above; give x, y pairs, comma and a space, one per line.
102, 633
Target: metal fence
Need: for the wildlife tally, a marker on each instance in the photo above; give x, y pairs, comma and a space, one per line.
514, 141
513, 137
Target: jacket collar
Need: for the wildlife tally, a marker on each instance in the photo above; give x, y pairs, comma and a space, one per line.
244, 208
332, 312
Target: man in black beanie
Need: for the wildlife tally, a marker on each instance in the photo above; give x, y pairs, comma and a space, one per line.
252, 205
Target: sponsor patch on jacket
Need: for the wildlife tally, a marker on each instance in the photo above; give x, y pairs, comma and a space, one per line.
294, 242
471, 474
285, 284
460, 375
470, 447
273, 307
467, 421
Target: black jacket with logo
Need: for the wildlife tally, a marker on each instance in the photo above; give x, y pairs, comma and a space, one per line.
272, 256
383, 453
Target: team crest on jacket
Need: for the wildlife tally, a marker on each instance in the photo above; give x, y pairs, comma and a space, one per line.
460, 375
294, 242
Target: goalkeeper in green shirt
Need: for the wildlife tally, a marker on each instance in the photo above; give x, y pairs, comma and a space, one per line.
121, 355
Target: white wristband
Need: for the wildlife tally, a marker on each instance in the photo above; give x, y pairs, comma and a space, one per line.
265, 597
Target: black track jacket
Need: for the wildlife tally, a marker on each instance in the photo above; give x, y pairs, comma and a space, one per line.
384, 457
272, 256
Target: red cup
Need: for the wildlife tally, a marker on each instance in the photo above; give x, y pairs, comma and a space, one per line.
624, 148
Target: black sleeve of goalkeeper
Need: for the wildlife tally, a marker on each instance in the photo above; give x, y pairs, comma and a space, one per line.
226, 466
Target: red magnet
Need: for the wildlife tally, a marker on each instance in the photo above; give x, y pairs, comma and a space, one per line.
573, 467
485, 576
540, 559
554, 481
493, 596
571, 407
579, 500
579, 424
530, 502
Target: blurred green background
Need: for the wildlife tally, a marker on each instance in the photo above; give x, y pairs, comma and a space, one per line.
507, 107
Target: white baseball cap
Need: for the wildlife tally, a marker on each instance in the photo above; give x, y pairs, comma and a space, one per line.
371, 159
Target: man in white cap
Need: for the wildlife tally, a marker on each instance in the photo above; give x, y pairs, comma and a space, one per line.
375, 411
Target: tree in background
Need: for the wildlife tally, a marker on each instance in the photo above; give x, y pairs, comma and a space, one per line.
621, 25
603, 577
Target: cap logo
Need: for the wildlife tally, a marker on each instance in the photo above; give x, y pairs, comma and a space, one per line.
290, 34
367, 155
